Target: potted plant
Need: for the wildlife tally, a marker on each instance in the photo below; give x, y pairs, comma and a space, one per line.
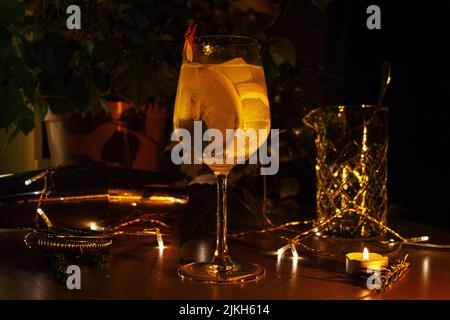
105, 91
102, 90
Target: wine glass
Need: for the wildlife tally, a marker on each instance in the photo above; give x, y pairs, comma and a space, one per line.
221, 86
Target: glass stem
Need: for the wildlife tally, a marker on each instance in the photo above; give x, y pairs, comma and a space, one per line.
221, 255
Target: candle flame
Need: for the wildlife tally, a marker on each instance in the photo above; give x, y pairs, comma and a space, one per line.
365, 254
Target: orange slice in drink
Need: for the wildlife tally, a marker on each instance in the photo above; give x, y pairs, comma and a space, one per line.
255, 116
255, 106
252, 91
222, 106
227, 105
237, 70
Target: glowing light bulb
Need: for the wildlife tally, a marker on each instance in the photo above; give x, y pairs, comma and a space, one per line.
282, 249
44, 217
208, 49
95, 227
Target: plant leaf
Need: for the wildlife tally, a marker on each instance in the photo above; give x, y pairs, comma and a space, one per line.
26, 79
133, 81
40, 108
168, 78
321, 4
11, 11
270, 67
78, 94
11, 104
3, 76
24, 123
7, 51
282, 50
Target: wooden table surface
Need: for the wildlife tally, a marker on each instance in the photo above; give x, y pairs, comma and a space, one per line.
138, 270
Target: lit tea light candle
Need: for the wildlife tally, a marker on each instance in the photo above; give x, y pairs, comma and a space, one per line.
357, 263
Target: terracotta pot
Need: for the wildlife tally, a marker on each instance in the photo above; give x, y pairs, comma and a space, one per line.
127, 137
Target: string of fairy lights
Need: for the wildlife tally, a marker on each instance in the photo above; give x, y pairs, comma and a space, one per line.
58, 238
319, 227
316, 228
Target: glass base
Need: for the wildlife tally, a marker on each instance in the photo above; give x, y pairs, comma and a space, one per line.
338, 247
225, 273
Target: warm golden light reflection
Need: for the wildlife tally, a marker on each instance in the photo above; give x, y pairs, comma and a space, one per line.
153, 199
364, 141
161, 200
289, 246
295, 257
208, 49
160, 240
366, 294
145, 232
283, 249
366, 254
279, 262
167, 199
203, 252
294, 252
426, 268
161, 251
294, 264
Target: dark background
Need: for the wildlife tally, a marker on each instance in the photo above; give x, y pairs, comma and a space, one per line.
414, 39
